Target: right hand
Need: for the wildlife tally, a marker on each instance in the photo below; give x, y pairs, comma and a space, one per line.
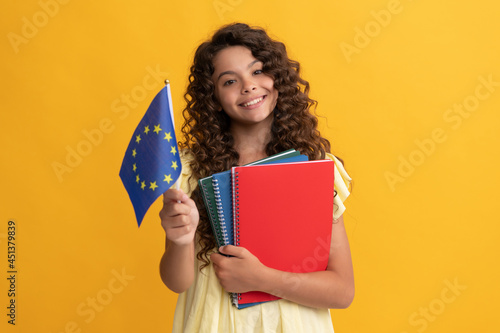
179, 217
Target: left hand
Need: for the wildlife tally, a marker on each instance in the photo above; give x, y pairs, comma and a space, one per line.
240, 273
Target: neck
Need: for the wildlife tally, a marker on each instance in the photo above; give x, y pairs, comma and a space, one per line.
250, 142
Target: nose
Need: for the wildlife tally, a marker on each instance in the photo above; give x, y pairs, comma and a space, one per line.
248, 86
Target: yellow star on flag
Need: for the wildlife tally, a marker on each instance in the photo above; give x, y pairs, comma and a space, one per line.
134, 166
157, 129
138, 138
134, 152
168, 136
167, 179
153, 185
173, 151
143, 185
174, 165
137, 179
146, 129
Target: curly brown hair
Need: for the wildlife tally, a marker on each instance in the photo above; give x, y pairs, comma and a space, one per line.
206, 129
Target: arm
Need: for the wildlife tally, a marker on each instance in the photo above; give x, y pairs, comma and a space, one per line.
179, 218
332, 288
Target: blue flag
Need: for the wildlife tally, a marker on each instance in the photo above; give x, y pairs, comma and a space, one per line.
151, 164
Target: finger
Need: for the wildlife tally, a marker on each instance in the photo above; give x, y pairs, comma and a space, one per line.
174, 195
235, 251
178, 221
215, 258
175, 209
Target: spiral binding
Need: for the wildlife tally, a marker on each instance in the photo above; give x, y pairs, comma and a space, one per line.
213, 215
220, 212
236, 225
236, 208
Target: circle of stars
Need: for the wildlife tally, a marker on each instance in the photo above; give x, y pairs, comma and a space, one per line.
173, 150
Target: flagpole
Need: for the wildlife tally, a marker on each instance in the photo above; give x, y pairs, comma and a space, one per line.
167, 84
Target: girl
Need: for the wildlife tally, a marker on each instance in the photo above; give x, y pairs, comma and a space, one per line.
245, 101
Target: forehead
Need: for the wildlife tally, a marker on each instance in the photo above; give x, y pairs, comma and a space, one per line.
232, 58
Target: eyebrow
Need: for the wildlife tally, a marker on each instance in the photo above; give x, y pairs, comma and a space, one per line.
231, 72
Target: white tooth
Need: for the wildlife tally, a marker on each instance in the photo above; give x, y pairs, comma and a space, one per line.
255, 101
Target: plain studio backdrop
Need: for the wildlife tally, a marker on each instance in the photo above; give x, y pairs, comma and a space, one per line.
408, 91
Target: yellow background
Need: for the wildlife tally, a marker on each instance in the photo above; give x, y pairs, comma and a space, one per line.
432, 223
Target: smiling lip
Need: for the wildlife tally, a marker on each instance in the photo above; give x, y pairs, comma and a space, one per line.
253, 103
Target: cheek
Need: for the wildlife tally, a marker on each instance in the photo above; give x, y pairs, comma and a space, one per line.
219, 97
268, 82
224, 100
275, 98
270, 87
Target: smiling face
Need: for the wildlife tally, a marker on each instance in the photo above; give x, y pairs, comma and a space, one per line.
244, 92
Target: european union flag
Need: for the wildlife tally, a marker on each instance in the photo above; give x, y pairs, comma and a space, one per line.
152, 163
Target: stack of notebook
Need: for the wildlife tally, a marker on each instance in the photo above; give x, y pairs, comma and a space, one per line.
280, 208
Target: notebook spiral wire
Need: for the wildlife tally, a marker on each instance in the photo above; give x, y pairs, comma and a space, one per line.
222, 220
236, 210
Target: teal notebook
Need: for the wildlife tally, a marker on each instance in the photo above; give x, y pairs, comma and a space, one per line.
207, 193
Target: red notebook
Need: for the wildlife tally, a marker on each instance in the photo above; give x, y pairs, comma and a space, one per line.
283, 214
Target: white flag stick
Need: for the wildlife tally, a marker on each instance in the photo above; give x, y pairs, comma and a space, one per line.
167, 83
